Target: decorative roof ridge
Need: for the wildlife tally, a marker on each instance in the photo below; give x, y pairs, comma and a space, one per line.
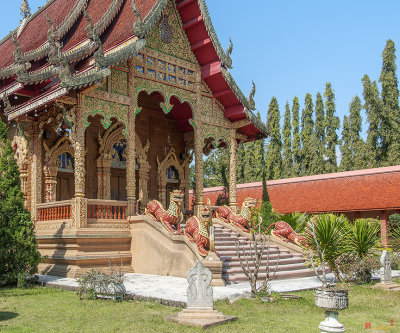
242, 98
223, 56
151, 18
109, 16
40, 75
61, 30
82, 79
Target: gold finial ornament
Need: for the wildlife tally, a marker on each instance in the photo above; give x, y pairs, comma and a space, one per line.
25, 10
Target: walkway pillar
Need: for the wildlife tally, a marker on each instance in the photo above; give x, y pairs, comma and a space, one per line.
36, 173
131, 144
79, 202
383, 217
198, 149
232, 171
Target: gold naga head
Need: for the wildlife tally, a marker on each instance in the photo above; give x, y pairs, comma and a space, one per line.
206, 214
177, 196
250, 202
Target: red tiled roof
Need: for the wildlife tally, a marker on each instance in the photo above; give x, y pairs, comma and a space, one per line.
96, 10
361, 190
35, 32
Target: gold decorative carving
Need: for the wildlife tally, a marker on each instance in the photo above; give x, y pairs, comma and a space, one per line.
62, 145
110, 137
36, 172
179, 46
108, 110
22, 154
110, 97
119, 82
171, 160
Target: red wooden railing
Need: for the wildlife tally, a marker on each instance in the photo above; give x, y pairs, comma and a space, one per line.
107, 209
50, 211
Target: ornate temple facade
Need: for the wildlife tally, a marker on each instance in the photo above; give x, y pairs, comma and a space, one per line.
108, 102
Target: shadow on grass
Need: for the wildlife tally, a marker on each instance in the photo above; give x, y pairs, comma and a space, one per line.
5, 315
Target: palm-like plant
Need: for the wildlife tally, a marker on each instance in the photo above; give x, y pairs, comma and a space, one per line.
297, 221
395, 239
326, 233
362, 236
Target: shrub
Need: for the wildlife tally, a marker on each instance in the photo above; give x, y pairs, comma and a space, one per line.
394, 220
330, 233
362, 236
297, 221
96, 283
18, 248
357, 269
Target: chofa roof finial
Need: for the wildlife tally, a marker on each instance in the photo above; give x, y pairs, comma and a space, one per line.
252, 104
138, 26
25, 10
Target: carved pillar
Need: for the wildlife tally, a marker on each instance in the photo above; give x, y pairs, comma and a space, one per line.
79, 202
198, 149
144, 176
103, 178
50, 182
232, 171
36, 173
131, 144
23, 176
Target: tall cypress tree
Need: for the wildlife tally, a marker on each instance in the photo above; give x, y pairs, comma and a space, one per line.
320, 134
273, 163
18, 247
287, 144
332, 124
296, 137
373, 108
346, 162
357, 145
390, 125
307, 137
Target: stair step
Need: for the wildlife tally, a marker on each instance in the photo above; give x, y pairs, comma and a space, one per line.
232, 253
271, 257
263, 268
236, 278
285, 261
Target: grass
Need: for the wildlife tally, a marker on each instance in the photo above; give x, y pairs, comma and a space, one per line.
52, 310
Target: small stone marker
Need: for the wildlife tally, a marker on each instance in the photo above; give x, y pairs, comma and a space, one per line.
200, 304
385, 272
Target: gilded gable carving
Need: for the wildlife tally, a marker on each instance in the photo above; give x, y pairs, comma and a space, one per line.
168, 36
107, 110
119, 82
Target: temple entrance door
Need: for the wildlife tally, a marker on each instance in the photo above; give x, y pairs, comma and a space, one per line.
118, 184
65, 186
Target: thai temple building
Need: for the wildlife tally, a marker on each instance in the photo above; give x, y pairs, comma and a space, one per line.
108, 102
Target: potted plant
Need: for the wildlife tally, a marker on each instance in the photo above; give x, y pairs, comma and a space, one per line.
319, 230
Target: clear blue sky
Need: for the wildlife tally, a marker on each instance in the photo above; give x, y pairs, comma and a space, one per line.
291, 47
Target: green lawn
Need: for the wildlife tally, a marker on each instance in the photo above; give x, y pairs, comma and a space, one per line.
52, 310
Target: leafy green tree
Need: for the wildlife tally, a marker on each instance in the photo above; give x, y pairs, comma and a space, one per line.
320, 135
213, 166
273, 163
357, 145
390, 125
287, 144
332, 124
307, 137
297, 162
373, 108
346, 162
18, 248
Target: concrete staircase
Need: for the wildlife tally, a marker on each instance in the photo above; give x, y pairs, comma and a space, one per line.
287, 264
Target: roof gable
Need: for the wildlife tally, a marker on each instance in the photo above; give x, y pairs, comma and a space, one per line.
171, 25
